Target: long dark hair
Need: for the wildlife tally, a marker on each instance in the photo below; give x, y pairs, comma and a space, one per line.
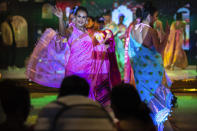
138, 13
148, 9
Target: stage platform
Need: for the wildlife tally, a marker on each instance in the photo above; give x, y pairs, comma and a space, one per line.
183, 80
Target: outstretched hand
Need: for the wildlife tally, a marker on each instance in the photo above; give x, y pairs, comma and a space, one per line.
57, 11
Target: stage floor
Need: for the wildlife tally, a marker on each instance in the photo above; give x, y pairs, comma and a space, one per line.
182, 80
177, 74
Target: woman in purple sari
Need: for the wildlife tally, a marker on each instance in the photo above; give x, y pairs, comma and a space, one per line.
86, 54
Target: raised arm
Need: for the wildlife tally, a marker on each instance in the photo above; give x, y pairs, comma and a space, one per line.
59, 13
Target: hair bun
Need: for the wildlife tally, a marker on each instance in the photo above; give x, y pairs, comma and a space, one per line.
138, 13
148, 9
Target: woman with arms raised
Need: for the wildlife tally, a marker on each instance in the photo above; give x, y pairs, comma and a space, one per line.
83, 53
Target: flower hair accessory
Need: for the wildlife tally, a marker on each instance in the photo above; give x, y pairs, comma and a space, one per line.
73, 11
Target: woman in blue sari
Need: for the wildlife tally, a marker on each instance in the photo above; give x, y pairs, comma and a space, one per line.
143, 49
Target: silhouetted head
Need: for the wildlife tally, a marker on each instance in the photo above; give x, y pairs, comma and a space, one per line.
15, 100
74, 85
126, 103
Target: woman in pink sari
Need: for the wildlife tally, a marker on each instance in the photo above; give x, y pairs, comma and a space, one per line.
89, 57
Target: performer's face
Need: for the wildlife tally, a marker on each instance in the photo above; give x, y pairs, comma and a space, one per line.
154, 17
81, 18
121, 19
107, 19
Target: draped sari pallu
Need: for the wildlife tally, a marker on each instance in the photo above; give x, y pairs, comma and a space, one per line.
148, 74
93, 61
128, 70
46, 65
120, 51
119, 45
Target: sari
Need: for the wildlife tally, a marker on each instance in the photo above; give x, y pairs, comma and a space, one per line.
149, 74
46, 65
90, 59
120, 49
119, 45
81, 55
173, 53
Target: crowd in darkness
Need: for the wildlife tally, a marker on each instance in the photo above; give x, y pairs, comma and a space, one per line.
73, 110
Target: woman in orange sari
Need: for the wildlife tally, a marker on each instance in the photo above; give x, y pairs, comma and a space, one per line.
173, 53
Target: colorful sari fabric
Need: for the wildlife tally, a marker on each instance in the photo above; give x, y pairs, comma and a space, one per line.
46, 65
82, 55
112, 26
173, 53
120, 50
148, 73
128, 70
119, 47
93, 61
